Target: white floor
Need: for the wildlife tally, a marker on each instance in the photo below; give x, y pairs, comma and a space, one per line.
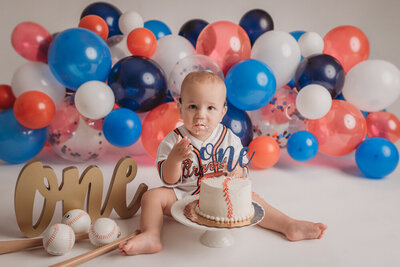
362, 217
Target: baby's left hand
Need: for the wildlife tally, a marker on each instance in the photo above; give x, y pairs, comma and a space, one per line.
235, 173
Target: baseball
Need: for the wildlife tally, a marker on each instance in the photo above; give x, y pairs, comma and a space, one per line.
103, 231
78, 219
58, 239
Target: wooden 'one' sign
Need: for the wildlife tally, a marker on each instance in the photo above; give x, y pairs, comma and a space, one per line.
72, 192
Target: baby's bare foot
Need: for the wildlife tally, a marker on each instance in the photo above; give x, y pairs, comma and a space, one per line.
144, 243
300, 230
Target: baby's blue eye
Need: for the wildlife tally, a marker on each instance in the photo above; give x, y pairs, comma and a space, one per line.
192, 107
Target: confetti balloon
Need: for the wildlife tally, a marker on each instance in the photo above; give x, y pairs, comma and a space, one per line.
225, 42
263, 152
341, 130
377, 157
280, 118
383, 124
158, 123
187, 65
118, 48
31, 41
74, 137
348, 44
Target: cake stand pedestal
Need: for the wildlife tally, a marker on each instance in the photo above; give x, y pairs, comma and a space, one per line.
212, 237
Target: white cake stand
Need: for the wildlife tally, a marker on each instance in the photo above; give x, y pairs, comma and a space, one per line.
212, 237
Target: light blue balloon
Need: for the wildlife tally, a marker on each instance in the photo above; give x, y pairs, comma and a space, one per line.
377, 157
122, 127
17, 143
302, 146
159, 28
77, 56
250, 84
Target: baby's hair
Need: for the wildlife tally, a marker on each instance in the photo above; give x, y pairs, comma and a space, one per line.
200, 77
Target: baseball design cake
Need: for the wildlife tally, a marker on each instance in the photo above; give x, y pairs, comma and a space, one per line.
225, 199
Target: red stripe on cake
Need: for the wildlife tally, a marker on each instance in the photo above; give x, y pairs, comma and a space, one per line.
227, 197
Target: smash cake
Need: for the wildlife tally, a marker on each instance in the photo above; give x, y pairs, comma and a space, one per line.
225, 200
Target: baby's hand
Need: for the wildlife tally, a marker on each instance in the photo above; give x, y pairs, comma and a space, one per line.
235, 173
181, 149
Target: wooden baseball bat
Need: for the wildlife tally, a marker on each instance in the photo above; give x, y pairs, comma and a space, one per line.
94, 253
17, 245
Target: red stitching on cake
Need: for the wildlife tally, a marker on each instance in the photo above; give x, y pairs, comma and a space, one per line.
76, 218
227, 197
53, 235
103, 236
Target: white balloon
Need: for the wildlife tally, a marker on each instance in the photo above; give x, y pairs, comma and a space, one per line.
171, 49
313, 101
280, 51
372, 85
311, 43
129, 21
36, 76
94, 99
118, 48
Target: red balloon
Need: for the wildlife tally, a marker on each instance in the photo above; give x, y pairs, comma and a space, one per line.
142, 42
225, 42
348, 44
34, 109
341, 130
7, 97
31, 41
266, 152
159, 122
383, 124
96, 24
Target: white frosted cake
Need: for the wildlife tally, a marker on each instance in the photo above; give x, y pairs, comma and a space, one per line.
225, 199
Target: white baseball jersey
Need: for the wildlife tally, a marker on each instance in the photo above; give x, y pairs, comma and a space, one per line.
194, 168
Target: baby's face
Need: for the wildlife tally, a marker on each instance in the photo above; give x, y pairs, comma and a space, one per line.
202, 108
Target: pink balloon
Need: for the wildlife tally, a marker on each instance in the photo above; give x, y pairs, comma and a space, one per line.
383, 124
225, 42
341, 130
31, 41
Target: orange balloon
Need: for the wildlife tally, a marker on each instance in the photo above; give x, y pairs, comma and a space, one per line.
341, 130
34, 109
348, 44
142, 42
266, 152
96, 24
225, 42
159, 122
383, 124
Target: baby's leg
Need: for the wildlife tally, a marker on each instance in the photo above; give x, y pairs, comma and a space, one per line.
294, 230
155, 203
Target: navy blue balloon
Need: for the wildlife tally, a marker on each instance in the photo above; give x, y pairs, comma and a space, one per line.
250, 84
191, 30
256, 22
297, 34
302, 146
377, 157
239, 122
320, 69
106, 11
138, 83
122, 127
77, 56
17, 143
158, 28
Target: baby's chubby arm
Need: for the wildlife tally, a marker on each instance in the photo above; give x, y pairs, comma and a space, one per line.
172, 169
